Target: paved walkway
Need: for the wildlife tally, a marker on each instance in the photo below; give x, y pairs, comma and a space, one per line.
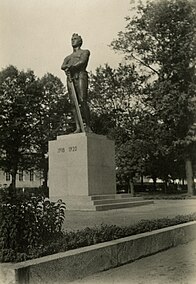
174, 266
75, 220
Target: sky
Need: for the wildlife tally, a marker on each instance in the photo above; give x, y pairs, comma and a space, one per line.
35, 34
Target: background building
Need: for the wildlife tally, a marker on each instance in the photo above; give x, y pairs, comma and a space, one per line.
23, 179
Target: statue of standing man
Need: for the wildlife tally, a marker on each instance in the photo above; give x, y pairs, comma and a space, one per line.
74, 66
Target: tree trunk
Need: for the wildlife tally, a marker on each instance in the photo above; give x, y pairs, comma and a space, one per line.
131, 187
142, 182
154, 183
45, 178
165, 186
45, 171
189, 176
13, 183
183, 181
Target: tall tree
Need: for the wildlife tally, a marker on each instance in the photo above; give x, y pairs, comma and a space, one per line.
115, 93
17, 98
161, 37
119, 109
50, 119
32, 112
116, 104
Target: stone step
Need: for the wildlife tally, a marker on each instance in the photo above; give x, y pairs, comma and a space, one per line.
85, 203
105, 207
113, 196
112, 201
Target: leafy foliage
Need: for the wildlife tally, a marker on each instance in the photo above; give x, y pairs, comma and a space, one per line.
50, 119
17, 99
32, 111
116, 102
90, 236
115, 95
162, 34
28, 224
161, 38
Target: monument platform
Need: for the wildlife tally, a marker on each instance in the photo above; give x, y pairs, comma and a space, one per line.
82, 173
102, 202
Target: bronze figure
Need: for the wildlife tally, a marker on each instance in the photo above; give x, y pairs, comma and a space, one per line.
74, 66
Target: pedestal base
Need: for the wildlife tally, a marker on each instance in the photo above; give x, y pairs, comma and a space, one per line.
82, 173
102, 202
81, 165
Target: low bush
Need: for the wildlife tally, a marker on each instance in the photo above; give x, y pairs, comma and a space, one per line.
26, 225
181, 196
104, 233
63, 241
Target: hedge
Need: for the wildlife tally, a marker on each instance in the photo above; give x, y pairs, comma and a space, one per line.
64, 241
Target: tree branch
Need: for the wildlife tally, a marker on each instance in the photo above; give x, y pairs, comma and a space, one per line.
145, 64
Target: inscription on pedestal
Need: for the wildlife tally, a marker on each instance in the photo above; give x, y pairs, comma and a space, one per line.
61, 150
70, 149
73, 149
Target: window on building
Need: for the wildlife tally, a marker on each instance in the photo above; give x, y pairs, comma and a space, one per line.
21, 176
32, 175
7, 177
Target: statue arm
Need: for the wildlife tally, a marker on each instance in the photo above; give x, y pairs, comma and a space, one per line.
65, 66
83, 60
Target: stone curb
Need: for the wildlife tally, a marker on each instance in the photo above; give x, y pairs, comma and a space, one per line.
74, 264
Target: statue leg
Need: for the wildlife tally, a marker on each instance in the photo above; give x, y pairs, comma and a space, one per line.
83, 97
78, 130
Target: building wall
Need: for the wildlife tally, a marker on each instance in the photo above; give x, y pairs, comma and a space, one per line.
22, 179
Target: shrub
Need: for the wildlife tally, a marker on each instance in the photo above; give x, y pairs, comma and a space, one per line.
26, 225
104, 233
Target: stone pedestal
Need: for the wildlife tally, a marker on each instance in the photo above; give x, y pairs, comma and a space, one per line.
81, 165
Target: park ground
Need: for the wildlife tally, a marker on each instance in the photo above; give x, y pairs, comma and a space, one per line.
176, 265
77, 220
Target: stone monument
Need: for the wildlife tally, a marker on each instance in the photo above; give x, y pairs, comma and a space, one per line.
82, 164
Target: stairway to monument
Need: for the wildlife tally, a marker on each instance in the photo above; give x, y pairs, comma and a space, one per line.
117, 201
103, 202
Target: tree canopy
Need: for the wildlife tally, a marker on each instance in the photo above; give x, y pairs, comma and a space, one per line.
160, 37
17, 98
32, 111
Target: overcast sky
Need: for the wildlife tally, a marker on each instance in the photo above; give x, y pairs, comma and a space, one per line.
36, 34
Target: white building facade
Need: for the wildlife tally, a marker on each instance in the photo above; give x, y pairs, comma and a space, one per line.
24, 179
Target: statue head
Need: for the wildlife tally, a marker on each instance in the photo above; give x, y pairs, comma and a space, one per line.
76, 40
